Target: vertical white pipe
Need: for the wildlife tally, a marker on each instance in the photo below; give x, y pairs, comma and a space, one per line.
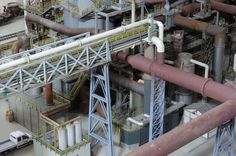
201, 65
159, 44
234, 63
78, 132
62, 138
25, 13
160, 29
70, 134
133, 9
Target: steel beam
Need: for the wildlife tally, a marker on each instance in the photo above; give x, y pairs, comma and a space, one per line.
100, 127
224, 139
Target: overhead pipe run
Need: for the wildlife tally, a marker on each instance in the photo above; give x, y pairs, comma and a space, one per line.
216, 5
206, 87
127, 83
222, 7
56, 26
180, 136
186, 133
81, 42
219, 43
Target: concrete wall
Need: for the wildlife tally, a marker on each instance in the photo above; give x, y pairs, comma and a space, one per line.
42, 150
25, 113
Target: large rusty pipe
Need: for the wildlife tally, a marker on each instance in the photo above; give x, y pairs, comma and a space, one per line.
127, 83
16, 46
49, 94
206, 87
189, 9
57, 27
226, 8
216, 5
180, 136
220, 36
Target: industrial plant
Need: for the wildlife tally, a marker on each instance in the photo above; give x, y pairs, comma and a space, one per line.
117, 77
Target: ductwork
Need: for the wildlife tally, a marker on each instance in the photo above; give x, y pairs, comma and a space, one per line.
206, 87
180, 136
216, 5
127, 83
184, 134
220, 36
226, 8
57, 27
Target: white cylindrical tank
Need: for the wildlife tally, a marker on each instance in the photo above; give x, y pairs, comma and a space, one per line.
70, 135
78, 132
62, 138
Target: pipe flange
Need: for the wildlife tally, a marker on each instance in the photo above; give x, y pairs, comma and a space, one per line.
150, 68
203, 87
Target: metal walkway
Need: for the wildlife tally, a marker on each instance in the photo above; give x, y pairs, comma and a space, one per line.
65, 63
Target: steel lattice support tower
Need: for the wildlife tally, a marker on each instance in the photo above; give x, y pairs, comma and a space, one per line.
156, 108
224, 139
100, 127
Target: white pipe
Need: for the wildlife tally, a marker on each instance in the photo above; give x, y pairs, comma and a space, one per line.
134, 121
79, 43
159, 44
169, 62
160, 29
133, 9
25, 13
234, 67
202, 65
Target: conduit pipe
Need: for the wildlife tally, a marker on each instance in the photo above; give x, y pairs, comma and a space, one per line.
220, 36
56, 26
160, 49
133, 9
202, 65
127, 83
206, 87
79, 43
180, 136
